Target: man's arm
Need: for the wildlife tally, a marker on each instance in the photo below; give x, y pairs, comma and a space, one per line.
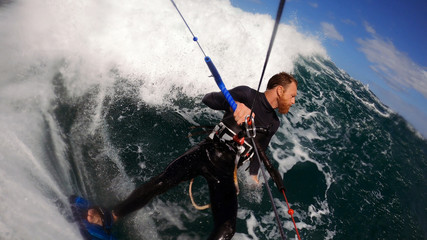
217, 101
274, 173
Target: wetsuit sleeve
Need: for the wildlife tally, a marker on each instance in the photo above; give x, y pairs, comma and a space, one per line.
217, 101
253, 166
262, 141
274, 173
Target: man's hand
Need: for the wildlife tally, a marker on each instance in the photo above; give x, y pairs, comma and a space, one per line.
255, 179
241, 113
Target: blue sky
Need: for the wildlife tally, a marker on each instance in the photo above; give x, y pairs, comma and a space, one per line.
378, 42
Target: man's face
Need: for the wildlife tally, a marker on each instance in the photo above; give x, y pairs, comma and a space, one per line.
287, 97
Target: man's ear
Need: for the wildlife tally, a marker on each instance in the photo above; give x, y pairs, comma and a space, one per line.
279, 90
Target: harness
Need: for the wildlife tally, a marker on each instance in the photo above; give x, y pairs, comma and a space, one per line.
232, 140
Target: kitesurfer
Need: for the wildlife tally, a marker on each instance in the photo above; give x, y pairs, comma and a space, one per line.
215, 157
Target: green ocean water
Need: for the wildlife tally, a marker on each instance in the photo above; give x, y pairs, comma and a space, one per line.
353, 169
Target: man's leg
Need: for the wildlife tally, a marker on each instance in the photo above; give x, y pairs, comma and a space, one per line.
183, 168
224, 208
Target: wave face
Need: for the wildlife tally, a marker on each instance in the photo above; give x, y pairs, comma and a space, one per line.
97, 98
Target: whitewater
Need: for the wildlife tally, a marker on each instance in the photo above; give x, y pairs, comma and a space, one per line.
97, 97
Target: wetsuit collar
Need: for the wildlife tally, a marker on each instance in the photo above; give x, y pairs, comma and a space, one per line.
265, 102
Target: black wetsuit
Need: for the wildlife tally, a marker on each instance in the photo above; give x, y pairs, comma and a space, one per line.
265, 116
215, 161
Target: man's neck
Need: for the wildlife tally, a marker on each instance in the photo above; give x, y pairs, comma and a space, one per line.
271, 97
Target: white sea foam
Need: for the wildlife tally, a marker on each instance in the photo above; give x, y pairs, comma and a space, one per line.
147, 41
289, 157
252, 223
27, 187
350, 87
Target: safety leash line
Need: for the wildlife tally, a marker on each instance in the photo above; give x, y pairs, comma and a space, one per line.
276, 214
291, 212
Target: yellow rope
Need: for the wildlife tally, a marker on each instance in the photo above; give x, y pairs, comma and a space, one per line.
192, 199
